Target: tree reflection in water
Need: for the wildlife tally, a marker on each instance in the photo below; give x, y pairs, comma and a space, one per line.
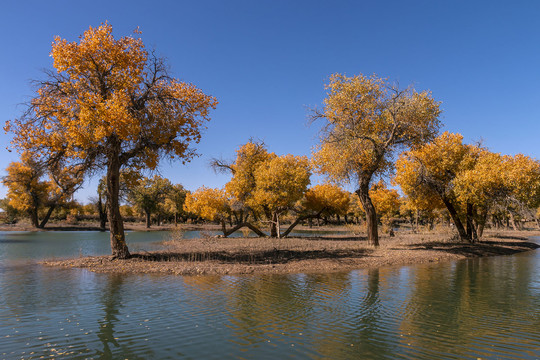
111, 301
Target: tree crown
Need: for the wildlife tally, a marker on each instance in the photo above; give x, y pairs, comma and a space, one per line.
109, 95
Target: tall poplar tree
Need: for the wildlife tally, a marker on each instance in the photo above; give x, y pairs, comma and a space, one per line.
367, 120
109, 104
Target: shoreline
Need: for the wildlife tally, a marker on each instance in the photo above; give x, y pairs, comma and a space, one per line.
317, 254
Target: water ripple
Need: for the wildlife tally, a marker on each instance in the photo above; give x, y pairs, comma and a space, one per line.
464, 310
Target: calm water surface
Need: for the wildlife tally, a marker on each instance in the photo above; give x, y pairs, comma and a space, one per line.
481, 308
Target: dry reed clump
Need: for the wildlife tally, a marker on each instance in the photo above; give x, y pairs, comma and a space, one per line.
259, 250
355, 229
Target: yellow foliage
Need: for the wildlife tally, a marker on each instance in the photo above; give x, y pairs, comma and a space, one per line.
26, 189
524, 179
127, 211
248, 159
367, 119
281, 181
484, 181
355, 206
467, 174
329, 198
208, 203
107, 96
386, 201
424, 174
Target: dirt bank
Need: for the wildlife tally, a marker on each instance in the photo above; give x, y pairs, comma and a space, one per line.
307, 254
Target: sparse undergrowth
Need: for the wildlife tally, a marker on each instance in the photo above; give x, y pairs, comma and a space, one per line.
210, 255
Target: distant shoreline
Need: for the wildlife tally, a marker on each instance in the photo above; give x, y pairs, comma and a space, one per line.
317, 254
94, 226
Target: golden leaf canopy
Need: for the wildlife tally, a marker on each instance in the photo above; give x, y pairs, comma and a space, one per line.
108, 95
367, 119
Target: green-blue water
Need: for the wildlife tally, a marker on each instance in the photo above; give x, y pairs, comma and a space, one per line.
485, 308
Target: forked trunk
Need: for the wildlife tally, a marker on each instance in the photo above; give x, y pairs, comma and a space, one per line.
226, 232
371, 215
116, 225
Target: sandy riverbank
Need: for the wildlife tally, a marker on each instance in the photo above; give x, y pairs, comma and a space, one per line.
313, 254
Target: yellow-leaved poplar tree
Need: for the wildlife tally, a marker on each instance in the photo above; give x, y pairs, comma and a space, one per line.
327, 198
367, 120
109, 104
29, 192
280, 182
264, 185
214, 205
431, 170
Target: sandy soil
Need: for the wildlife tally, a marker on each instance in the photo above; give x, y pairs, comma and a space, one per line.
316, 254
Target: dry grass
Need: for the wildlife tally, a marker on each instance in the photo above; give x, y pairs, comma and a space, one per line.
211, 255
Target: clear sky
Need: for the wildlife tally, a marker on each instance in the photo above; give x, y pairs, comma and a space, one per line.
267, 63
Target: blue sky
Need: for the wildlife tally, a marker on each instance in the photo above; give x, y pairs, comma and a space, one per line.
267, 63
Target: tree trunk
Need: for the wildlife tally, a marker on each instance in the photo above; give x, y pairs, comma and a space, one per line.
102, 213
47, 216
293, 225
471, 229
175, 219
416, 216
226, 232
513, 221
116, 225
148, 219
273, 227
224, 228
459, 225
371, 215
482, 222
34, 217
278, 226
495, 221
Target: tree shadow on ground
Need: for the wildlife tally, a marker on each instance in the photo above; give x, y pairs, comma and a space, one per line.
511, 237
332, 238
482, 248
275, 256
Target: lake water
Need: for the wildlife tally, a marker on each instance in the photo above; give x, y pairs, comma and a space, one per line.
485, 308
